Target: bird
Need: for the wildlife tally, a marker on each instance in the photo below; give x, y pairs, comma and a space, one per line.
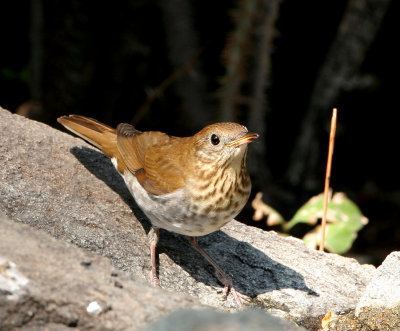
191, 185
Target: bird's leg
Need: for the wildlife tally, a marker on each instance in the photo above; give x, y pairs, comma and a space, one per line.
222, 276
153, 239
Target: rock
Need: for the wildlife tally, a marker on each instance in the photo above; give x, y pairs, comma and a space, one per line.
379, 306
58, 183
369, 319
45, 282
211, 320
384, 289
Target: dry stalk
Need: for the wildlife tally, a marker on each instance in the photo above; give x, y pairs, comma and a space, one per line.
327, 177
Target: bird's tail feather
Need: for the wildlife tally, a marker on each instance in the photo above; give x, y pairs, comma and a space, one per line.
96, 133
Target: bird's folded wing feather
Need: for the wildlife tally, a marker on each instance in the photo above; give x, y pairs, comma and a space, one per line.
162, 170
147, 155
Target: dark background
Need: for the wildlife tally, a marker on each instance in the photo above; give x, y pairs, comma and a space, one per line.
276, 66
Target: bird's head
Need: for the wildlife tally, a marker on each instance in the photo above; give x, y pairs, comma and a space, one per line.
222, 143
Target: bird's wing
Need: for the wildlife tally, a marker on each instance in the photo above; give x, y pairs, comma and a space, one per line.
162, 169
147, 156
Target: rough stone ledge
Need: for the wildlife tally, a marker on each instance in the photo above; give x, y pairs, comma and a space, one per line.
379, 306
58, 183
45, 281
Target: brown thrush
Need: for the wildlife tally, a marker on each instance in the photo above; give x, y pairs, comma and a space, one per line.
192, 185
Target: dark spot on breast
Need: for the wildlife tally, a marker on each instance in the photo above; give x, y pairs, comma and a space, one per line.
225, 208
204, 186
244, 191
214, 220
207, 196
219, 201
208, 209
206, 175
221, 189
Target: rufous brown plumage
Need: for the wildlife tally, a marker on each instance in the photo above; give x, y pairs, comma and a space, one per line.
192, 185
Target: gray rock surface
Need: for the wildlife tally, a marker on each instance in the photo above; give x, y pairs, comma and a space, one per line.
58, 183
45, 282
384, 289
211, 320
379, 306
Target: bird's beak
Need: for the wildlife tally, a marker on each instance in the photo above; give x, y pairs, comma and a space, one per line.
246, 139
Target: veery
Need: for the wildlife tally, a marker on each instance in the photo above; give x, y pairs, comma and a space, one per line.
192, 185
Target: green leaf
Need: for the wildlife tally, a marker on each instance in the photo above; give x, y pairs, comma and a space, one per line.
344, 220
339, 238
308, 213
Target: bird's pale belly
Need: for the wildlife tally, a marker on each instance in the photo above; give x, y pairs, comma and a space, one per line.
175, 212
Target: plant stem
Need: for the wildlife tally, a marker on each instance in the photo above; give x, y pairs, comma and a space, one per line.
328, 176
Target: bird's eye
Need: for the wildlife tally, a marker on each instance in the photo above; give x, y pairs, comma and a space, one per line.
214, 139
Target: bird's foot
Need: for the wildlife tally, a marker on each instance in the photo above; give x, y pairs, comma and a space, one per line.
226, 280
221, 275
154, 279
153, 238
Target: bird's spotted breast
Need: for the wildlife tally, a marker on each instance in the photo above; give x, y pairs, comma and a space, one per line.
222, 199
205, 209
172, 211
211, 196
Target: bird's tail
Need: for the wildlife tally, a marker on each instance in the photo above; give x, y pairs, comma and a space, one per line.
96, 133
